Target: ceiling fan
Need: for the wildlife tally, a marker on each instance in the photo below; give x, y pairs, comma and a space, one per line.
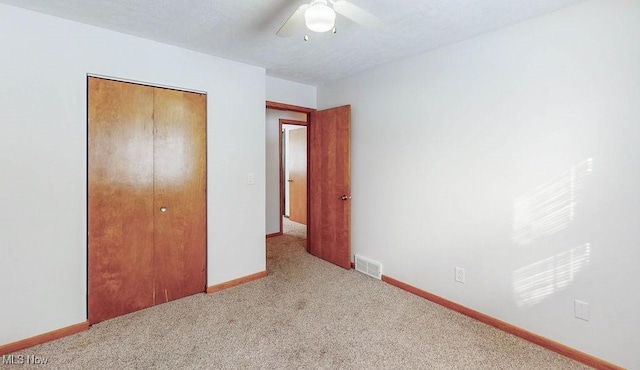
320, 16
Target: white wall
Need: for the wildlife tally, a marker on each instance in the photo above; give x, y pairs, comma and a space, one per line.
273, 165
45, 61
514, 155
289, 92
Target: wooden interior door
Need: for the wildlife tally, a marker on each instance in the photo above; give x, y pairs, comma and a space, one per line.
329, 228
147, 196
179, 194
120, 198
297, 164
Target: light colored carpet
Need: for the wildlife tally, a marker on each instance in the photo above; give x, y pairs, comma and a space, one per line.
307, 314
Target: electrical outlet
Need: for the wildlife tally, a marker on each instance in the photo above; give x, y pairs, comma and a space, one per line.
459, 275
581, 310
251, 178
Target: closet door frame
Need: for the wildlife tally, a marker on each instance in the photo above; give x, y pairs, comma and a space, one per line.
154, 300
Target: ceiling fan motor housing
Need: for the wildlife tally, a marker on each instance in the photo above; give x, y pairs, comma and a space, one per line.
320, 17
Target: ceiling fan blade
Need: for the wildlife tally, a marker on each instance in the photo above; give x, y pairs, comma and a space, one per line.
294, 22
356, 14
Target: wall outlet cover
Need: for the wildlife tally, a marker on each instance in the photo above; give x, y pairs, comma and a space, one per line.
581, 310
459, 275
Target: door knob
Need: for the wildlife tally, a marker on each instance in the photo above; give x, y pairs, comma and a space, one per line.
345, 197
163, 209
289, 180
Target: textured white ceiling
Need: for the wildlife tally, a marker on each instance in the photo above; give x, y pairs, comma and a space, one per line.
244, 30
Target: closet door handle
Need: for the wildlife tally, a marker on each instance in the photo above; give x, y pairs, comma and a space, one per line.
163, 209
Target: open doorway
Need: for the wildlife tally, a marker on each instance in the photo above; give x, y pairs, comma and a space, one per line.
294, 171
279, 123
294, 177
328, 182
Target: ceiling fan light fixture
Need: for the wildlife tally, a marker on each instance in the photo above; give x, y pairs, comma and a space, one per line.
320, 17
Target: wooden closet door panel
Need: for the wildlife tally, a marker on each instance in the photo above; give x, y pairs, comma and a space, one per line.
120, 201
180, 187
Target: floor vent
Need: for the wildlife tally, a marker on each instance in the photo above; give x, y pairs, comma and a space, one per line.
369, 267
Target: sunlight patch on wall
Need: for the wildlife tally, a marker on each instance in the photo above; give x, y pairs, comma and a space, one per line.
537, 281
550, 207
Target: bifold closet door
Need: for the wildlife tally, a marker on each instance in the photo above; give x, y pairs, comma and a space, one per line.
120, 201
147, 196
180, 194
